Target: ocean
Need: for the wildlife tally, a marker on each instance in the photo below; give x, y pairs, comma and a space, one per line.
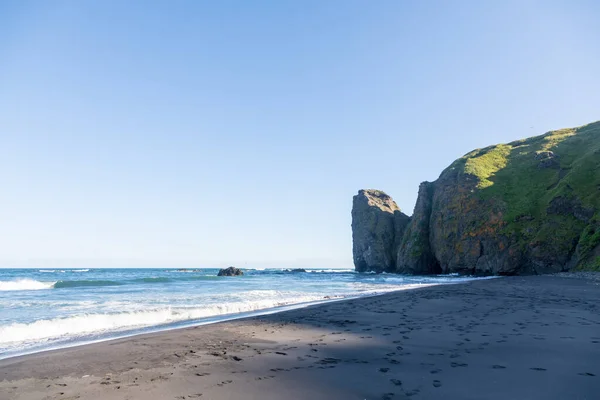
42, 309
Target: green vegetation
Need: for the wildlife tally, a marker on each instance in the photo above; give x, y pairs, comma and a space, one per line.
590, 265
590, 238
486, 163
525, 176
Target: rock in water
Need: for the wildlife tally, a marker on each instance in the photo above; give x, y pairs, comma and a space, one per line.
230, 271
527, 207
376, 223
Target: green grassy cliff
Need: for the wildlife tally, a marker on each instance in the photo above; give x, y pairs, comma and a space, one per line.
549, 189
527, 207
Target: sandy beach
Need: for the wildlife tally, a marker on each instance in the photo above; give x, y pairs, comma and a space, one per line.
534, 337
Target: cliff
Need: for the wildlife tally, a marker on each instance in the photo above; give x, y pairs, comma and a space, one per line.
377, 225
527, 207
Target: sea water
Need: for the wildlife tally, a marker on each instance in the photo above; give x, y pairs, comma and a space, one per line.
43, 309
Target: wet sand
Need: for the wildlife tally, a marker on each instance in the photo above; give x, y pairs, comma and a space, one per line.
509, 338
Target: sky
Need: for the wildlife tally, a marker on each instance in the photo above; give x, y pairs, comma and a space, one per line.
202, 133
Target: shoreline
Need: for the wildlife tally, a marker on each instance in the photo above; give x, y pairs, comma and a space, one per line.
516, 337
44, 327
217, 319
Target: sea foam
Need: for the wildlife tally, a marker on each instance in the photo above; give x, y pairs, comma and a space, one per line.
25, 284
99, 323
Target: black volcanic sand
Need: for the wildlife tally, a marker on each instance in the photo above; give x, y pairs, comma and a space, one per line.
532, 337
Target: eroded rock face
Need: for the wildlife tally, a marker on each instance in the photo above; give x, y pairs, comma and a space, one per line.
376, 223
466, 231
415, 255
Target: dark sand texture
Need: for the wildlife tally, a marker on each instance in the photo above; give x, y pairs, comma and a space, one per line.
509, 338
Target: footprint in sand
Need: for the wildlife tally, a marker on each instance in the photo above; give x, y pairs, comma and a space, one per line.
586, 374
329, 360
455, 364
396, 382
384, 370
437, 383
537, 369
498, 367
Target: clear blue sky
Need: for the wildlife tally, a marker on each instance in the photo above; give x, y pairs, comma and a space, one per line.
200, 133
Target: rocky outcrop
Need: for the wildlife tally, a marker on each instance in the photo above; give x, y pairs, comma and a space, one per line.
466, 229
230, 271
414, 255
377, 223
527, 207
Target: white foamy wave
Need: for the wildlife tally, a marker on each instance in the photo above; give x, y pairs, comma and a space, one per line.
381, 289
25, 284
63, 271
87, 324
331, 270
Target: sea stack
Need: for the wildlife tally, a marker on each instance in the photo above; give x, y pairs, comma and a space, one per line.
377, 224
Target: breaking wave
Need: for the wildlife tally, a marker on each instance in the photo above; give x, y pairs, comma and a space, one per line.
25, 284
102, 323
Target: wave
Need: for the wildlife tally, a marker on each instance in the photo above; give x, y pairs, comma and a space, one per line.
187, 270
280, 271
175, 279
25, 284
84, 283
331, 271
30, 284
153, 280
63, 270
96, 324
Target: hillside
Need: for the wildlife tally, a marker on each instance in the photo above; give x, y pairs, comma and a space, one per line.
527, 207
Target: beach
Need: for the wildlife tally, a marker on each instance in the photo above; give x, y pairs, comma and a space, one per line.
535, 337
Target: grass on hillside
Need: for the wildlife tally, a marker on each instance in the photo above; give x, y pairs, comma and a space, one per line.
509, 173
